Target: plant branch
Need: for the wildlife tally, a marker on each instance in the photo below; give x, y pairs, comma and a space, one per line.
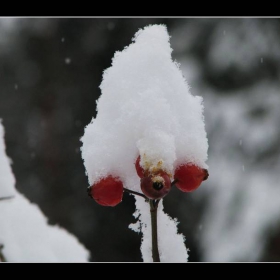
174, 183
5, 198
136, 193
2, 258
153, 210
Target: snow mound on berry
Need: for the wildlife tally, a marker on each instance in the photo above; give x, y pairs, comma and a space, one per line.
24, 230
171, 244
145, 108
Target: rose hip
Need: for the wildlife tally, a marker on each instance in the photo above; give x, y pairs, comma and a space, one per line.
188, 177
107, 192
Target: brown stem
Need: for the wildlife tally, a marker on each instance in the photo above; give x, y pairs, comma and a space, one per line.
174, 183
153, 210
136, 193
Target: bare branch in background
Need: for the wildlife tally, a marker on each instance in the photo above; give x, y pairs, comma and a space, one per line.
6, 197
2, 258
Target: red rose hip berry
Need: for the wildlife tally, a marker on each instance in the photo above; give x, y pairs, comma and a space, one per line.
139, 168
188, 177
156, 186
107, 192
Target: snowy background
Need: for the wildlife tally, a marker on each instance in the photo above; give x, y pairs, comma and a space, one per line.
25, 235
50, 72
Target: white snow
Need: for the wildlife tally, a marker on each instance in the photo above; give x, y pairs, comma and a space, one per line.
146, 108
241, 208
27, 237
24, 230
243, 194
170, 243
7, 179
67, 60
245, 35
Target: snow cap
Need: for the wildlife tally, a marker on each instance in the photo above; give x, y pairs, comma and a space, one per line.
145, 108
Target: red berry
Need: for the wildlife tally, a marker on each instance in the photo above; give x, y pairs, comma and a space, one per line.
139, 168
107, 192
156, 186
188, 177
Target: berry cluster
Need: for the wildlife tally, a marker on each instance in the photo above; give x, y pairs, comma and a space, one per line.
154, 185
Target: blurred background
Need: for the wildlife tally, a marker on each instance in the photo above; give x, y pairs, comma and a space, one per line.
50, 72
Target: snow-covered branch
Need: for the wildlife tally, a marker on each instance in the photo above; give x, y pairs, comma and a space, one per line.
25, 235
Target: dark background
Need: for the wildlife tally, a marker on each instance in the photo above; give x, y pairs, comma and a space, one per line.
50, 72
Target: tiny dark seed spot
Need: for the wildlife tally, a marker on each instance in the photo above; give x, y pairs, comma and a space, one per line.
157, 186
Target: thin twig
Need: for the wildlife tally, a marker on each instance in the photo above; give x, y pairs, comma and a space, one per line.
6, 197
153, 210
136, 193
174, 183
2, 258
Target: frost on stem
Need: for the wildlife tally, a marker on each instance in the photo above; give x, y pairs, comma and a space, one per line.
146, 109
25, 235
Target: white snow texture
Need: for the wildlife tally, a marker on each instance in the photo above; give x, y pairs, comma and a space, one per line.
170, 243
7, 179
145, 109
24, 230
